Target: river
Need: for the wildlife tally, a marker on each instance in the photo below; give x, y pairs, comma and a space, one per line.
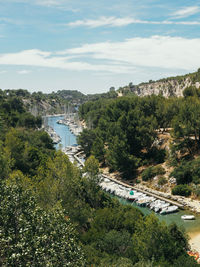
68, 139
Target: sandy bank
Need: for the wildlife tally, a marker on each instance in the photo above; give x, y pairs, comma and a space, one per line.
194, 240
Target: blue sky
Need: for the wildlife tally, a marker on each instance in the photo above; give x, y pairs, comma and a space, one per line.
91, 45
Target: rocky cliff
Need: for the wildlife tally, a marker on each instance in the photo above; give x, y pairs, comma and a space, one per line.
173, 86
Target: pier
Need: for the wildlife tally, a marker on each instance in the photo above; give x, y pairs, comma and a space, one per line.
172, 202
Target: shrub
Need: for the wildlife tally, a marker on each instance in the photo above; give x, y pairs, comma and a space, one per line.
159, 170
162, 180
183, 173
151, 172
182, 190
147, 174
196, 191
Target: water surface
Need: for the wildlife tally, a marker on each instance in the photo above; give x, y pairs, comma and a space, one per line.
67, 138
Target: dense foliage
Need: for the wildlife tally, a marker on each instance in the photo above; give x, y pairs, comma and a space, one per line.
122, 132
125, 133
30, 236
187, 172
182, 190
53, 215
151, 172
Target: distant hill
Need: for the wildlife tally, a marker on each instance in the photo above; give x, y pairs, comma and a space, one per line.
39, 103
172, 86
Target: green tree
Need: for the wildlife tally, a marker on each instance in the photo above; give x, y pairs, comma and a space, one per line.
86, 140
59, 180
183, 173
154, 240
98, 149
29, 236
182, 190
187, 125
5, 162
92, 166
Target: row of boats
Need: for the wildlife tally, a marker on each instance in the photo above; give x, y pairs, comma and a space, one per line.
141, 199
73, 127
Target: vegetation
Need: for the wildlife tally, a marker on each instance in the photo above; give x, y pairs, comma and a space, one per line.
187, 172
162, 181
151, 172
30, 236
182, 190
124, 134
52, 215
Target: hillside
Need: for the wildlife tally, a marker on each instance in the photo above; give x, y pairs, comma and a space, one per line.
39, 226
39, 103
172, 86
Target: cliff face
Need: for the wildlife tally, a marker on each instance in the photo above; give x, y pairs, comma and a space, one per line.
166, 87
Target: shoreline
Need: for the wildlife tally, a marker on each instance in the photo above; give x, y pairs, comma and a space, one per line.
194, 240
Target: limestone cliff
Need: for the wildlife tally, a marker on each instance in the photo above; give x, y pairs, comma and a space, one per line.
173, 86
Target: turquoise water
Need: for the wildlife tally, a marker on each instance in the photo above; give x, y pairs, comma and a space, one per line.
190, 226
67, 138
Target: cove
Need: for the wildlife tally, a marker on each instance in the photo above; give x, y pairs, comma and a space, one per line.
68, 139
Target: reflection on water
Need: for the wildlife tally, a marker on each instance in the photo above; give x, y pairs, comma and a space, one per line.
67, 138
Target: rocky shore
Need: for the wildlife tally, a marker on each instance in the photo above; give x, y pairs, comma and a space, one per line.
55, 137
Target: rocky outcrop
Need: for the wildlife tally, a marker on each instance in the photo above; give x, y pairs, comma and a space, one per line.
166, 87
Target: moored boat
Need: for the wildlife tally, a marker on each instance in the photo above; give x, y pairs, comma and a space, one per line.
188, 217
169, 209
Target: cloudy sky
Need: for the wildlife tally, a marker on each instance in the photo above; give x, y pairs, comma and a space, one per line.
91, 45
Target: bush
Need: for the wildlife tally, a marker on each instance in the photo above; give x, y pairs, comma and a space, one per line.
183, 173
159, 170
158, 155
196, 191
151, 172
182, 190
147, 174
162, 180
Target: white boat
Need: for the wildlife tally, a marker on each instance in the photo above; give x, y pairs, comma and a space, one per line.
169, 209
188, 217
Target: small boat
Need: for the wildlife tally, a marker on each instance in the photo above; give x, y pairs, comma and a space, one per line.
188, 217
168, 210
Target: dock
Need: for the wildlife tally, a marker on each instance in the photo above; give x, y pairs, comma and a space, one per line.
172, 202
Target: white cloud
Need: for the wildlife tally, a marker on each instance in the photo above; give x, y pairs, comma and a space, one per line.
103, 21
23, 71
186, 12
163, 52
119, 22
157, 51
37, 58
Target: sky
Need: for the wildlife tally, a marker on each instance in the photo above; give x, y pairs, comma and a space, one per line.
90, 45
